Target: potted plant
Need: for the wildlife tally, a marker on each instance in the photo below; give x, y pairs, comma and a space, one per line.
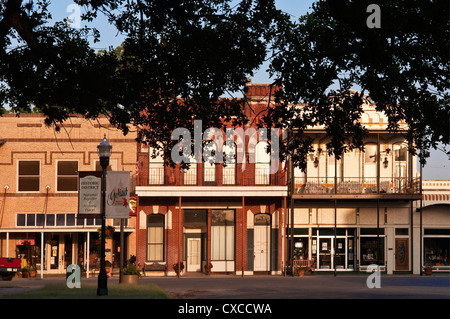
301, 270
82, 269
208, 268
25, 272
175, 267
130, 274
428, 269
32, 271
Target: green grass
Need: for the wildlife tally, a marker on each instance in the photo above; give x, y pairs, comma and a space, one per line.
89, 291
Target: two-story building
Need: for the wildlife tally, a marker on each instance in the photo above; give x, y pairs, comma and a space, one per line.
39, 191
358, 210
231, 216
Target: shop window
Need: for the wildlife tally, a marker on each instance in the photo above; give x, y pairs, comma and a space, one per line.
436, 251
222, 235
155, 237
372, 251
29, 174
67, 180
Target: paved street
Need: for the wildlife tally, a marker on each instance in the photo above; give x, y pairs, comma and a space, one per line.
276, 287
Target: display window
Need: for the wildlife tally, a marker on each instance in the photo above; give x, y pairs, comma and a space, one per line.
436, 244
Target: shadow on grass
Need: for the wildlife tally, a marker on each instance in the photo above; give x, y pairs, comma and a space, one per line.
89, 291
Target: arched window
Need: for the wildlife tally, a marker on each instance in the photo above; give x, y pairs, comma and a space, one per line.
262, 166
155, 237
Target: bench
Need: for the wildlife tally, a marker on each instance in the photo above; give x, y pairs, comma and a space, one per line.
154, 267
305, 263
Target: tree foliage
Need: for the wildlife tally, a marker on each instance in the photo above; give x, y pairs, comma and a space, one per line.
180, 57
403, 66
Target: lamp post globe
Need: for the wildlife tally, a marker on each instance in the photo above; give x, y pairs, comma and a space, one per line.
104, 153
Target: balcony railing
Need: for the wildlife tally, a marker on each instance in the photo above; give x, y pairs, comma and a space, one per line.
211, 176
356, 185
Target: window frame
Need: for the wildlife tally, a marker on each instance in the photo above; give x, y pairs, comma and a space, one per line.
161, 244
75, 176
38, 176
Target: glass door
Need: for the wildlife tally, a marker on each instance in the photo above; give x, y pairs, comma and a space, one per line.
324, 250
339, 259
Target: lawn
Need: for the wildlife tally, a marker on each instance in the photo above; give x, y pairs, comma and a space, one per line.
89, 291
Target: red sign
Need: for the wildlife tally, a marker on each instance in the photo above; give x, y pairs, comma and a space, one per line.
134, 200
32, 242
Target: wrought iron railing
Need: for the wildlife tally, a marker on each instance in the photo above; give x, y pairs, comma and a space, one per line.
356, 185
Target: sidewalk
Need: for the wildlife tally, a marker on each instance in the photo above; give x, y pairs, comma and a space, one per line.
275, 287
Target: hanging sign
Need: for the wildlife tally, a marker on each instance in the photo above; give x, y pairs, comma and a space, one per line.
133, 204
118, 194
89, 194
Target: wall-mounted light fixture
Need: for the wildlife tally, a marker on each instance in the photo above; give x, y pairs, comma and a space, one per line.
316, 162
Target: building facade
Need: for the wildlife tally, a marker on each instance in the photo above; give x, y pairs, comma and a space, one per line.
435, 224
243, 217
230, 216
39, 201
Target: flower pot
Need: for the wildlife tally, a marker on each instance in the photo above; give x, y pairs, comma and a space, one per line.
108, 271
428, 271
301, 272
129, 279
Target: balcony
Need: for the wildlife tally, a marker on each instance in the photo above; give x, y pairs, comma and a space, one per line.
204, 180
354, 186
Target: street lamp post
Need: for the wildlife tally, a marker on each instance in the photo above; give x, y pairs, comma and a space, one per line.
104, 152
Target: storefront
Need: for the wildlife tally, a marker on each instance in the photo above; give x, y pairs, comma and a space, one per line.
49, 250
330, 248
436, 243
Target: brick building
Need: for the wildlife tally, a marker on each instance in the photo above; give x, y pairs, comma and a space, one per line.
231, 216
39, 201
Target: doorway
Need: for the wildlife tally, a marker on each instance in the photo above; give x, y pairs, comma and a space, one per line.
262, 242
401, 254
194, 254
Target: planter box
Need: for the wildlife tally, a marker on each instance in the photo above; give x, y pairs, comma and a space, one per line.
129, 279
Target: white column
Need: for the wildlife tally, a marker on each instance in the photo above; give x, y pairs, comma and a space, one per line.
87, 254
42, 254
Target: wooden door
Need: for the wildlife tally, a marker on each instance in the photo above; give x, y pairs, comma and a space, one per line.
401, 254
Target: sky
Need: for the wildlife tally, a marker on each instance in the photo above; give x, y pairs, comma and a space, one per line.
438, 165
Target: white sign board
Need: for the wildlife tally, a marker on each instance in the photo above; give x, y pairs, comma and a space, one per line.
89, 194
117, 194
